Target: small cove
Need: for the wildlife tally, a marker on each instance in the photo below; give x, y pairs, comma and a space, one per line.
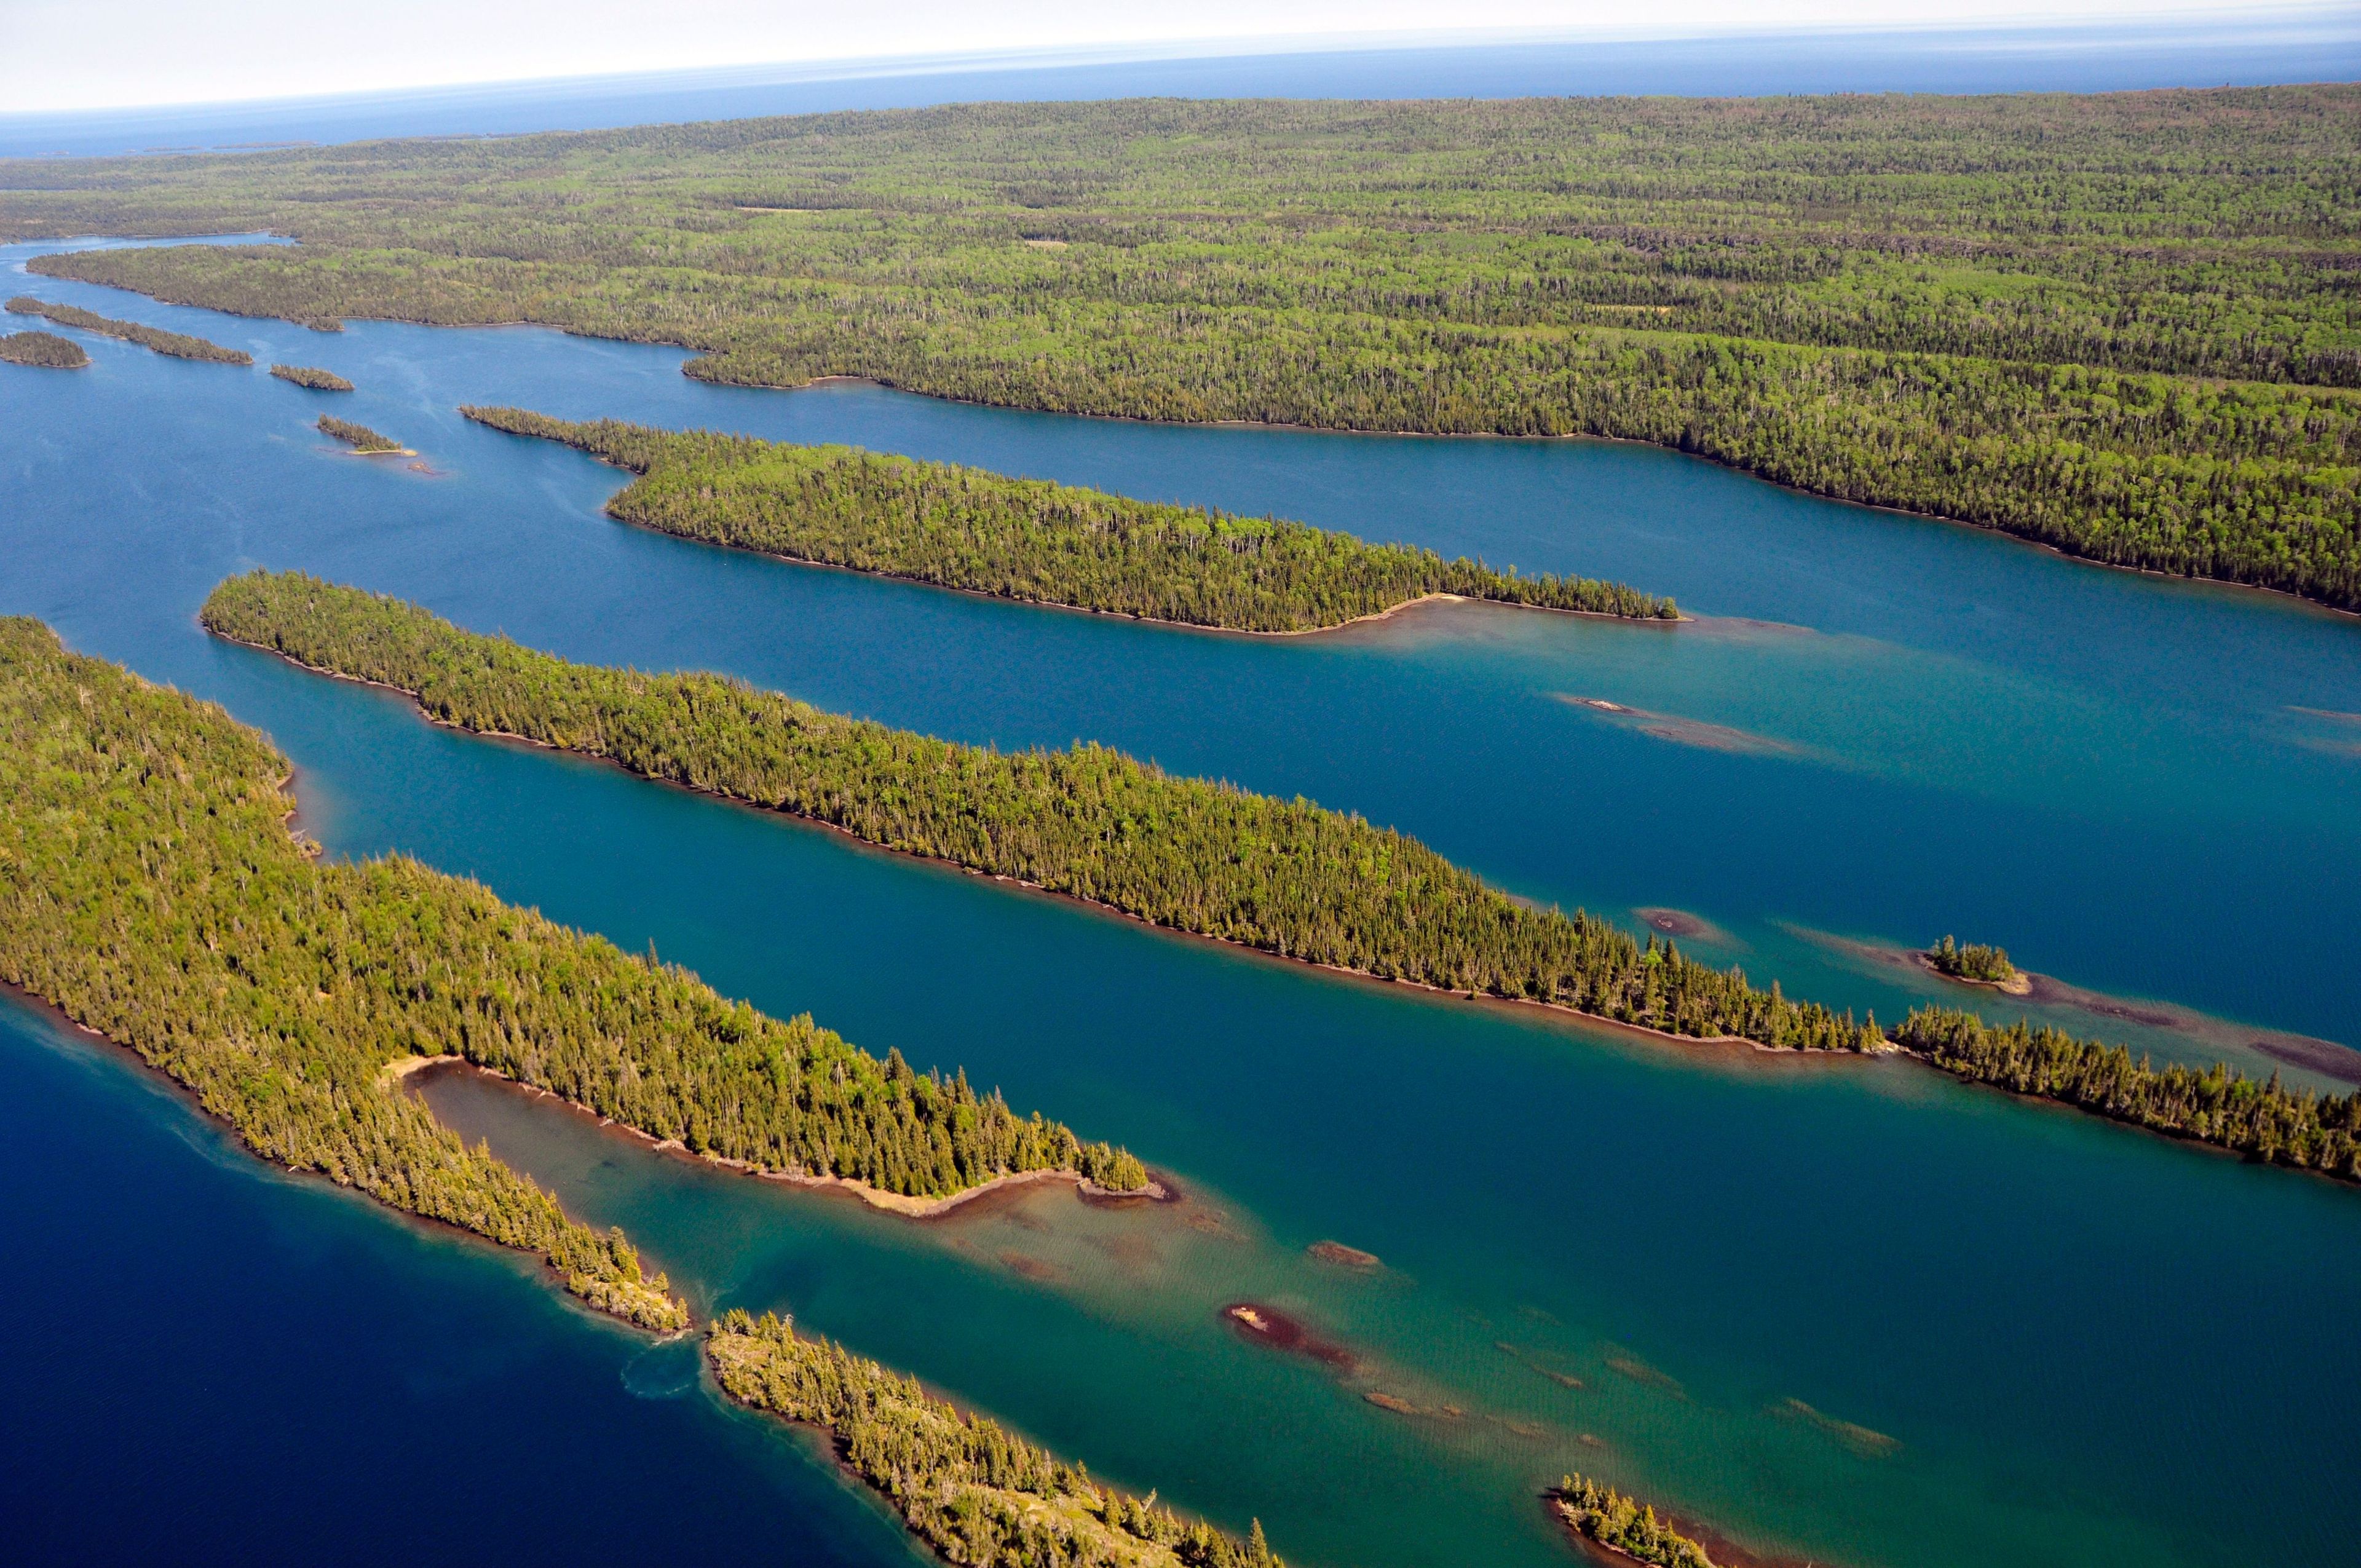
1758, 1231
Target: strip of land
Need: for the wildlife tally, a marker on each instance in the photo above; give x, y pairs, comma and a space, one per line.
365, 442
1285, 877
312, 378
2117, 324
180, 345
966, 528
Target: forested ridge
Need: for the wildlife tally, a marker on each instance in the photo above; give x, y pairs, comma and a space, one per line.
149, 889
2123, 324
966, 1485
1286, 877
1030, 539
180, 345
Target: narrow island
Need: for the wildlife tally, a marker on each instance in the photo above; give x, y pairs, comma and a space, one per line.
180, 345
1977, 965
312, 378
45, 349
956, 527
1285, 877
1288, 878
152, 893
964, 1485
365, 442
1624, 1525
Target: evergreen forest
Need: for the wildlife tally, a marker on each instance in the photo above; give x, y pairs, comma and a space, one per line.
1973, 961
1286, 877
959, 526
367, 442
2121, 325
1194, 855
1624, 1525
180, 345
149, 889
971, 1489
45, 349
312, 378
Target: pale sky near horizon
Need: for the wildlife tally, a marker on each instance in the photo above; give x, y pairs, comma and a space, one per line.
82, 54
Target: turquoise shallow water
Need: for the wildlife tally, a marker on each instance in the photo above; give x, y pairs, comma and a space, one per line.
2081, 1337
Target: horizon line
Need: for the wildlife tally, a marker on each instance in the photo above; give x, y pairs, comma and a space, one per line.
2280, 23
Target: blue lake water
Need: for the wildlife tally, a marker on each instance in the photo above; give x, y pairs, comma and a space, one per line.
2081, 1338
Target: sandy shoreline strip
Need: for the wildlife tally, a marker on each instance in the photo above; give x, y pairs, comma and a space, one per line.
403, 1067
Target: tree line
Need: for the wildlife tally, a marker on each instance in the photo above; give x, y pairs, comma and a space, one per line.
2120, 324
1285, 877
967, 1487
960, 527
180, 345
2220, 1106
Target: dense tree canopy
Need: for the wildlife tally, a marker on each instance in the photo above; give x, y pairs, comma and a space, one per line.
2123, 324
1029, 539
180, 345
966, 1485
46, 349
312, 378
1284, 876
149, 889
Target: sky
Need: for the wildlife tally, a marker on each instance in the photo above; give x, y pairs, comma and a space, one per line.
89, 54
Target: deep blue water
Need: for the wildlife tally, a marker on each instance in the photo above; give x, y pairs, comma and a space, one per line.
2298, 44
2083, 1338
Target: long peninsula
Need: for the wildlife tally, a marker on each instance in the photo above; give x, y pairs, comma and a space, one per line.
958, 527
1285, 877
2118, 324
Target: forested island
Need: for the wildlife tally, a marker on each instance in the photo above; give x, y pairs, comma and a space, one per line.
967, 1487
1984, 965
365, 442
959, 526
2117, 324
312, 378
180, 345
1285, 877
45, 349
1624, 1525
